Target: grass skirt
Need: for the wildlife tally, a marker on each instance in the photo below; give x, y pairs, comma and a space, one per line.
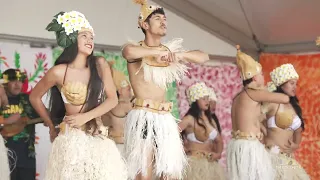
287, 168
248, 160
202, 169
78, 156
147, 131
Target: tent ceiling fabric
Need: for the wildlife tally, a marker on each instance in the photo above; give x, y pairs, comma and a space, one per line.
279, 26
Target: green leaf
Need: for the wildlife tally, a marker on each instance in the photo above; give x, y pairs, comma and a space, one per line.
17, 60
73, 36
60, 13
62, 39
49, 26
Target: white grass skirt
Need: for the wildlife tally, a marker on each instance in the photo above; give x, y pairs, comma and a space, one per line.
4, 162
287, 168
146, 131
78, 156
248, 160
202, 169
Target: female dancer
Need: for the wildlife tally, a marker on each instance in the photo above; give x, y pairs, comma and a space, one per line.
76, 152
202, 133
285, 125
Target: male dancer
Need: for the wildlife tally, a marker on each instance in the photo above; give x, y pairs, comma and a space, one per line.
247, 157
115, 118
152, 139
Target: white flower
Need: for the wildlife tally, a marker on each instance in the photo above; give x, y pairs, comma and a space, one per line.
80, 21
66, 17
86, 24
74, 14
73, 22
60, 19
69, 31
66, 25
77, 27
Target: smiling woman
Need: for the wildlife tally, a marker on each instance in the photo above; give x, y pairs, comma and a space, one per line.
76, 105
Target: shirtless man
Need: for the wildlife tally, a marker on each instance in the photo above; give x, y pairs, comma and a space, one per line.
115, 118
152, 138
247, 157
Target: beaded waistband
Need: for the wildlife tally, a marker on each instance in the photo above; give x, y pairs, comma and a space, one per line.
200, 154
246, 135
153, 106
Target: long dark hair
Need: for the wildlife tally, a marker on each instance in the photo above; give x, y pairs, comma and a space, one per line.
95, 87
195, 112
294, 101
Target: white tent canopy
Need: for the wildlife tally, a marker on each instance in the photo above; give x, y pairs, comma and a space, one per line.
276, 26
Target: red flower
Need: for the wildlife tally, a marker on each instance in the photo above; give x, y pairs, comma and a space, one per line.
25, 85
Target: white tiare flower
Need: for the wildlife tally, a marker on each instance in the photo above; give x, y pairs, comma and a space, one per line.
74, 14
66, 17
73, 21
69, 31
60, 19
77, 27
80, 21
66, 25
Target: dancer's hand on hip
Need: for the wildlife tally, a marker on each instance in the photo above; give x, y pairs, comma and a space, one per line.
213, 157
76, 120
290, 147
53, 134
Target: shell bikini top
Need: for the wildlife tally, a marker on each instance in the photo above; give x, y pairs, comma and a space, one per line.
284, 119
74, 93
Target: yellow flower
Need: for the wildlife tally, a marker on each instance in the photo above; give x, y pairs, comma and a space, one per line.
18, 74
5, 78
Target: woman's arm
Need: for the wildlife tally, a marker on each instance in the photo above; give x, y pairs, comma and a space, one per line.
110, 91
185, 122
218, 146
297, 137
42, 87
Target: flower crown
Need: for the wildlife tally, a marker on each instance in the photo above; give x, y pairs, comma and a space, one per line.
283, 74
197, 91
66, 26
